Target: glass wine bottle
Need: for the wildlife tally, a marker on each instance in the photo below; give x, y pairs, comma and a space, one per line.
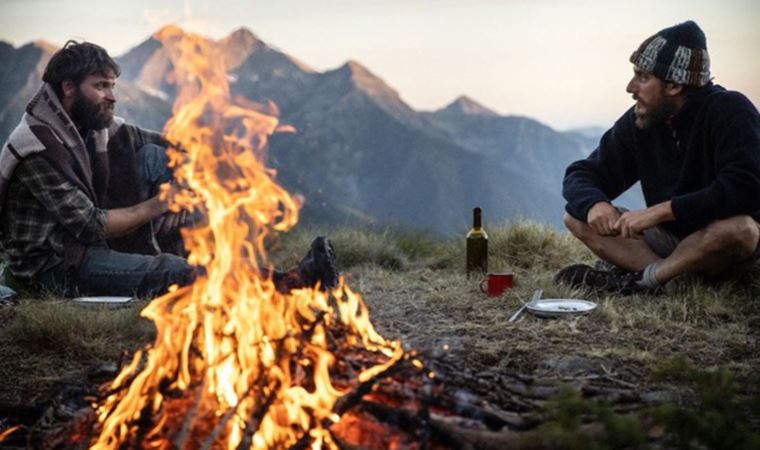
477, 245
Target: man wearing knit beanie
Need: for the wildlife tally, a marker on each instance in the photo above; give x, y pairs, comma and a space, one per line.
695, 148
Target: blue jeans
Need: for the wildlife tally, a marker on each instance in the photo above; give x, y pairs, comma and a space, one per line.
108, 272
152, 169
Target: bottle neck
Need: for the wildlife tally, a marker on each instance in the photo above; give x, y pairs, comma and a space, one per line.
477, 218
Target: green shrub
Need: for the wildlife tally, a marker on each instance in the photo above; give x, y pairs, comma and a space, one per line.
568, 411
722, 419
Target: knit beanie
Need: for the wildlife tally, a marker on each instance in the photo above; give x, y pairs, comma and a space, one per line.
677, 54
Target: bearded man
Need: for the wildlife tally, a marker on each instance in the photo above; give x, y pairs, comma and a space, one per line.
695, 148
80, 212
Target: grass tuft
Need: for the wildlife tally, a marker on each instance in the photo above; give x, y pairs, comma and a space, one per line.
518, 247
527, 245
66, 329
357, 247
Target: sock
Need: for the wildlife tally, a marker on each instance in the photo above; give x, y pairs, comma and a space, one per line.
648, 279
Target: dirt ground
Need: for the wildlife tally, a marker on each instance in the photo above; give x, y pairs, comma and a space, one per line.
655, 346
630, 336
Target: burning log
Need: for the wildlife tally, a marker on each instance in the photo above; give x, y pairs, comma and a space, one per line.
403, 408
181, 439
254, 422
350, 399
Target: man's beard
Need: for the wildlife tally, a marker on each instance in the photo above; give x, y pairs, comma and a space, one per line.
90, 115
658, 112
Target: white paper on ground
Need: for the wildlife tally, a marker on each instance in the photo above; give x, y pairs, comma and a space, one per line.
104, 300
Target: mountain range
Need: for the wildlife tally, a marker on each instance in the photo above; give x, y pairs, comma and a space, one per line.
361, 155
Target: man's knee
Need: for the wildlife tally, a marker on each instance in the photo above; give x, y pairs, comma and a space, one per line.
166, 270
738, 235
172, 263
153, 165
153, 155
578, 228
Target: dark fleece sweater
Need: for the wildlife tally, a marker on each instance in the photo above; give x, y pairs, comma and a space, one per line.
706, 161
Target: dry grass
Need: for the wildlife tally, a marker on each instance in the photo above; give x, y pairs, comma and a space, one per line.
47, 341
417, 292
77, 332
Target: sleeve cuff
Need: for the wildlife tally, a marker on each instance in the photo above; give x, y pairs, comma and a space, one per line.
94, 231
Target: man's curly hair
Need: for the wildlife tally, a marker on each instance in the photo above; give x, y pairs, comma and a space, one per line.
75, 62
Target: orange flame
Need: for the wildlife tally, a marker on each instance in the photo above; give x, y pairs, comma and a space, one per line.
231, 343
8, 431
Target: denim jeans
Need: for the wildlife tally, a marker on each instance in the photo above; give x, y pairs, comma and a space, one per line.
152, 169
108, 272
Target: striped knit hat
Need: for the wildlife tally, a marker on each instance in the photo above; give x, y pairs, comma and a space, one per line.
677, 54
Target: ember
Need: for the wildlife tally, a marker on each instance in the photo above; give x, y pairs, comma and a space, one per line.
235, 363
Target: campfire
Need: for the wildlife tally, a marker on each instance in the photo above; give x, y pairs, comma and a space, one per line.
235, 363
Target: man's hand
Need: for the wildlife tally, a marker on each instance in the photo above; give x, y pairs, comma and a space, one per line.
168, 193
602, 218
633, 223
125, 220
169, 221
172, 219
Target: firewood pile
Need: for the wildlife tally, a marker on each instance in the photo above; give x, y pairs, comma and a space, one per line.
438, 405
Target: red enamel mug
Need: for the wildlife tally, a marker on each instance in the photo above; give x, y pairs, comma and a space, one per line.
495, 284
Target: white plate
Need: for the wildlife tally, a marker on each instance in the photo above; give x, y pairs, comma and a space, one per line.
105, 301
554, 307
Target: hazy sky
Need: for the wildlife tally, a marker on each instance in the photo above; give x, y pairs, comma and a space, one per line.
562, 62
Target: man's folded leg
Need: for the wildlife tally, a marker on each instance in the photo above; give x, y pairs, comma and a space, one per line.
108, 272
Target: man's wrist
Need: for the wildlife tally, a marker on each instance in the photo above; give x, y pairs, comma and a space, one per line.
664, 212
598, 203
156, 207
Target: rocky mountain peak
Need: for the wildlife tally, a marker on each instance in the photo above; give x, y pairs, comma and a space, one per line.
393, 163
363, 79
353, 70
242, 36
464, 105
170, 29
239, 45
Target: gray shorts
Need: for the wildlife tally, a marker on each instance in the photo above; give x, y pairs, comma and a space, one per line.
663, 242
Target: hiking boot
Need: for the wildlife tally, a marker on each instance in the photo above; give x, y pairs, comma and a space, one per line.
317, 267
585, 276
319, 264
601, 264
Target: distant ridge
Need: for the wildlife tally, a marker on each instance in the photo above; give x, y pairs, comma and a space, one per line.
361, 154
466, 105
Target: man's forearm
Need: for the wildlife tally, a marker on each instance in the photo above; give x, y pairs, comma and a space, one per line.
633, 223
663, 212
124, 220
